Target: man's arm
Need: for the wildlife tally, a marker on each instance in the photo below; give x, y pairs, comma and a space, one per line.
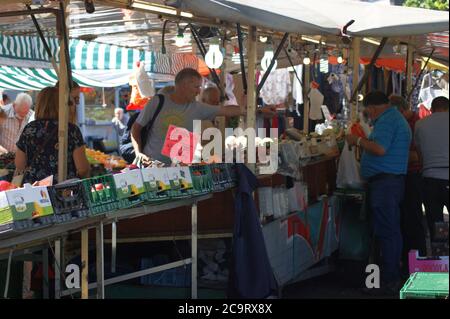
137, 143
369, 146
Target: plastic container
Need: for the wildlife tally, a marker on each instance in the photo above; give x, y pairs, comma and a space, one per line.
69, 201
424, 285
181, 182
418, 264
232, 172
157, 184
101, 194
129, 188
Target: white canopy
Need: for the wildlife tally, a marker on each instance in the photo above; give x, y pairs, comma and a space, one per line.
321, 17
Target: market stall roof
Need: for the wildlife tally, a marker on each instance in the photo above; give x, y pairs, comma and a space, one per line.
314, 17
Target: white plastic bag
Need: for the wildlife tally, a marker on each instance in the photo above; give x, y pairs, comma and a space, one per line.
348, 174
145, 84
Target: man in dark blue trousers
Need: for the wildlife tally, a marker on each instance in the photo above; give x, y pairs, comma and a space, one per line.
384, 165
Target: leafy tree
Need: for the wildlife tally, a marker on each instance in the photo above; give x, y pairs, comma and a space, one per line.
428, 4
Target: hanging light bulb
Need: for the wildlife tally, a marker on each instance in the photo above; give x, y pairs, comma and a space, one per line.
306, 60
179, 40
267, 59
214, 58
340, 59
263, 39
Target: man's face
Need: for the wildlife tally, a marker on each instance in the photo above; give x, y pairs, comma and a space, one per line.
191, 88
370, 112
21, 109
75, 95
119, 114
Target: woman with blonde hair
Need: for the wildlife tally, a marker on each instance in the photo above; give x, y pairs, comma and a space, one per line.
37, 147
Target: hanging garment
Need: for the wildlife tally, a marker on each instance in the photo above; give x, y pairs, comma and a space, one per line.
424, 111
316, 101
251, 274
277, 87
229, 90
297, 89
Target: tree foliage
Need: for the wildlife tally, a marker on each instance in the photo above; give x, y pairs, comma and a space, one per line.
428, 4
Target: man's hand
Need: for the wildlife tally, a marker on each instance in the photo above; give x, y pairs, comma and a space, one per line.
351, 139
144, 159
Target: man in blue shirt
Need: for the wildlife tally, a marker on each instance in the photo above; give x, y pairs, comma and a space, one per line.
384, 165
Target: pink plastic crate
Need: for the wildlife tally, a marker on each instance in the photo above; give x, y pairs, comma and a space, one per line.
421, 264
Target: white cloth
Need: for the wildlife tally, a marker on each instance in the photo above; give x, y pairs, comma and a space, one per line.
277, 87
316, 101
229, 90
297, 89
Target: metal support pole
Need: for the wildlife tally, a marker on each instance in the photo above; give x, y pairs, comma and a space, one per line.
113, 246
194, 251
45, 285
100, 262
57, 268
241, 55
306, 99
409, 68
84, 263
8, 274
356, 48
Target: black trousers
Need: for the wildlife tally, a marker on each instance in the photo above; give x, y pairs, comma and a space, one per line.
435, 193
413, 231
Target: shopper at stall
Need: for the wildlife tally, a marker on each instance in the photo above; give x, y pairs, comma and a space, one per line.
19, 114
384, 165
37, 148
180, 109
432, 140
412, 215
119, 121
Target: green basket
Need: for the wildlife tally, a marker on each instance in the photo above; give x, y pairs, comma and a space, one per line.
201, 179
129, 194
156, 184
221, 179
101, 199
426, 285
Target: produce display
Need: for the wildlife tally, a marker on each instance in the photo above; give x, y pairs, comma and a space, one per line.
108, 161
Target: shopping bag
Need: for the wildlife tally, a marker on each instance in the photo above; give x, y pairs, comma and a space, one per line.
348, 174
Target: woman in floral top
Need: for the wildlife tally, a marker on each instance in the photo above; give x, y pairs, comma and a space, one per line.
37, 147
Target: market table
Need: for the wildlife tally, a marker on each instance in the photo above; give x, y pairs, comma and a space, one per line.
16, 242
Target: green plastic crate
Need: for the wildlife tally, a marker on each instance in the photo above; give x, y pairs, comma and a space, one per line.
201, 178
426, 285
221, 179
129, 188
157, 184
101, 194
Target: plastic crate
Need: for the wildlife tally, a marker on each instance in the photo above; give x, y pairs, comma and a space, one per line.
181, 182
221, 179
157, 184
201, 178
418, 264
69, 201
426, 285
25, 208
100, 193
129, 188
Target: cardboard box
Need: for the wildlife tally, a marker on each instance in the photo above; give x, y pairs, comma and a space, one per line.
156, 179
25, 203
129, 183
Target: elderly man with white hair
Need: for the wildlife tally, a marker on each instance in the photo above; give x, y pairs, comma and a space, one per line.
19, 114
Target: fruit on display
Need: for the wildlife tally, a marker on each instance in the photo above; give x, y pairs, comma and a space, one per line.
109, 161
4, 186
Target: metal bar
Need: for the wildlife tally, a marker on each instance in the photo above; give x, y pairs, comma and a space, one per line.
409, 67
57, 269
293, 67
113, 246
366, 73
100, 263
28, 12
84, 263
44, 42
8, 274
168, 238
420, 74
355, 56
133, 275
194, 251
45, 274
272, 63
306, 99
241, 55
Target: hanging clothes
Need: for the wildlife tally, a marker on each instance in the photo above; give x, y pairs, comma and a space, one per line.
251, 274
277, 87
316, 101
229, 91
297, 89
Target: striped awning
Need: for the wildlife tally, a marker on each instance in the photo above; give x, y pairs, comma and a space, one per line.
24, 64
25, 79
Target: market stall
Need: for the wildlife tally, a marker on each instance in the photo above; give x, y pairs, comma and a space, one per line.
298, 205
